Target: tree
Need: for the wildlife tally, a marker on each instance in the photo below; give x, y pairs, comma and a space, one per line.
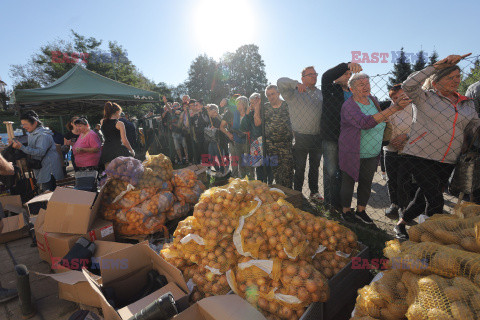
401, 70
55, 59
472, 77
244, 70
163, 89
179, 91
433, 58
205, 81
421, 62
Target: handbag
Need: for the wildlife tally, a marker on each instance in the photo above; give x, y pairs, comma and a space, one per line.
256, 152
211, 134
466, 177
86, 180
34, 163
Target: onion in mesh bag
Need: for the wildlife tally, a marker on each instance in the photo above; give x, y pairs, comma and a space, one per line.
125, 168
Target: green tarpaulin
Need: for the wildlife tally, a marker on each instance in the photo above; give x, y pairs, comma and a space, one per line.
80, 89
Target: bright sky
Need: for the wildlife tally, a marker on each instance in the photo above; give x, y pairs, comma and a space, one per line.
163, 37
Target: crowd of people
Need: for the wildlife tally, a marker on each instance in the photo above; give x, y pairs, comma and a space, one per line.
419, 133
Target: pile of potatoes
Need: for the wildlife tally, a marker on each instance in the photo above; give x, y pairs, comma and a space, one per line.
384, 299
401, 294
447, 229
467, 210
434, 297
434, 258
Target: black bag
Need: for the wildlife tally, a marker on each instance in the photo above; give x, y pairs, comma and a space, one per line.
466, 177
211, 134
34, 163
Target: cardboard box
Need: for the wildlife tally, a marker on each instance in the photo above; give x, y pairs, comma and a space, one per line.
126, 272
71, 211
39, 235
227, 307
13, 229
37, 203
12, 204
53, 246
73, 286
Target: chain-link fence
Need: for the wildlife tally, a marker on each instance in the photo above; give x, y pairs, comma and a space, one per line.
328, 143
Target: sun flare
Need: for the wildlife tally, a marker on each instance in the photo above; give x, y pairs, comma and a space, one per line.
222, 26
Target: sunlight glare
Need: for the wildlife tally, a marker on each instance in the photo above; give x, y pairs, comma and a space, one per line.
222, 26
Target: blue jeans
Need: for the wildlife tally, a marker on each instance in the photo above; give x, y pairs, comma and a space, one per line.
331, 173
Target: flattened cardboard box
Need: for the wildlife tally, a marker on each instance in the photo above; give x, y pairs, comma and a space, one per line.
54, 246
73, 286
71, 211
227, 307
135, 262
13, 229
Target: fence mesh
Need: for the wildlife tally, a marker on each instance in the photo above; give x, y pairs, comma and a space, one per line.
326, 129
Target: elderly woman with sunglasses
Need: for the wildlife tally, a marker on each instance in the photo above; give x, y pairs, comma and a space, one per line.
443, 119
361, 133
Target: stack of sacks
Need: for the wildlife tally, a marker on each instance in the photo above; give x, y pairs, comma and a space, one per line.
244, 236
139, 197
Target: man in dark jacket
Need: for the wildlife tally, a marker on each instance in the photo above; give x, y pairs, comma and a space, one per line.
130, 131
335, 92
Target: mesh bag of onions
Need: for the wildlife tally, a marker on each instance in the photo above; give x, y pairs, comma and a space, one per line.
190, 195
264, 247
178, 210
143, 226
184, 178
126, 169
160, 165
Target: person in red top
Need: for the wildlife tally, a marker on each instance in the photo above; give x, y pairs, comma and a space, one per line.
87, 148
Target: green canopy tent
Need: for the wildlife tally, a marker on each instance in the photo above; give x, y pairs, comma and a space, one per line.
79, 91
